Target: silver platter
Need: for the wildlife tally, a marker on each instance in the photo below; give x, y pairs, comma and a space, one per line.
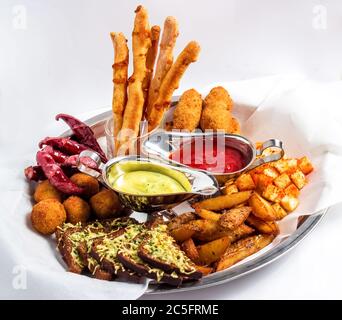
306, 225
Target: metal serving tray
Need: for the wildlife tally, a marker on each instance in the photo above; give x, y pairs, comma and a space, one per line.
306, 225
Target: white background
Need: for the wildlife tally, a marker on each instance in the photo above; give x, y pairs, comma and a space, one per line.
56, 56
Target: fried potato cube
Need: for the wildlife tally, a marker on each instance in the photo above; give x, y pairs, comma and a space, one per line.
292, 190
298, 178
242, 249
271, 172
286, 165
282, 181
263, 182
213, 250
245, 182
279, 211
268, 227
305, 165
230, 189
272, 193
289, 203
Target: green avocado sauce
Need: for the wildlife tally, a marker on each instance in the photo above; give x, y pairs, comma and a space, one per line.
145, 178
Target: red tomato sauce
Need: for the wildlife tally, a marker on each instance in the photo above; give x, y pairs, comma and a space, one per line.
213, 156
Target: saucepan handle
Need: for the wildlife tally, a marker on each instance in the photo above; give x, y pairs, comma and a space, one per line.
85, 167
274, 156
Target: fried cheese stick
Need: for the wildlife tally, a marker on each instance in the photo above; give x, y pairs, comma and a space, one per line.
171, 83
150, 61
120, 70
165, 59
141, 39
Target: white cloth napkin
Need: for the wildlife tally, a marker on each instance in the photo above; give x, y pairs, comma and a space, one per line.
306, 116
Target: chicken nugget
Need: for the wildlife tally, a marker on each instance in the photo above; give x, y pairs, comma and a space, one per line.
77, 209
47, 215
45, 190
216, 116
187, 114
236, 129
219, 94
106, 204
89, 184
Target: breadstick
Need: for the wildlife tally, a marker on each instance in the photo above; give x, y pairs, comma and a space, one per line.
150, 60
171, 83
141, 39
120, 68
165, 59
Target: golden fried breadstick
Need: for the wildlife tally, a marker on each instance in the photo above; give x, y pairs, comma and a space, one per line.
141, 39
165, 59
150, 60
120, 68
171, 83
187, 114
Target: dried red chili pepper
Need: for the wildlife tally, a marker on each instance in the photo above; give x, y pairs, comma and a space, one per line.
34, 173
64, 144
55, 174
83, 133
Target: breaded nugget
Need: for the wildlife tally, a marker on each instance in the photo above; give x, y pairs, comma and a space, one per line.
188, 111
45, 190
47, 215
216, 114
219, 94
89, 184
106, 204
77, 209
236, 126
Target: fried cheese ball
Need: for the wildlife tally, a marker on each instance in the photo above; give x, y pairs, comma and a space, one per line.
45, 190
105, 204
77, 209
47, 215
88, 183
216, 113
187, 114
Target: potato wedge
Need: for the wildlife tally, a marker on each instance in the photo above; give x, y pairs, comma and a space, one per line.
205, 229
230, 189
268, 227
204, 269
181, 219
183, 232
208, 215
213, 250
188, 246
242, 249
232, 218
261, 208
223, 202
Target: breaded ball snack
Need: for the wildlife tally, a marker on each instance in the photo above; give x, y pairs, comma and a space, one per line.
105, 204
216, 113
77, 209
45, 190
236, 126
88, 183
47, 215
187, 114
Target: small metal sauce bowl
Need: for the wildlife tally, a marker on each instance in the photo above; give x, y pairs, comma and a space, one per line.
161, 144
203, 184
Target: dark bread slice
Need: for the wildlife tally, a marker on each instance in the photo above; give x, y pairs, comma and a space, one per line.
165, 266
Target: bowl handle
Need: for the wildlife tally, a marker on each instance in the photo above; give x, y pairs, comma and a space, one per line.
84, 168
272, 143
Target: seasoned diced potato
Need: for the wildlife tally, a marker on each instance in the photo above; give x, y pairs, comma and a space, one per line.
289, 203
282, 181
286, 165
271, 172
245, 182
298, 178
280, 212
272, 193
305, 165
292, 190
263, 182
230, 189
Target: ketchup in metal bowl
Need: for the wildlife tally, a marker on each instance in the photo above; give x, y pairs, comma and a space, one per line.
213, 155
